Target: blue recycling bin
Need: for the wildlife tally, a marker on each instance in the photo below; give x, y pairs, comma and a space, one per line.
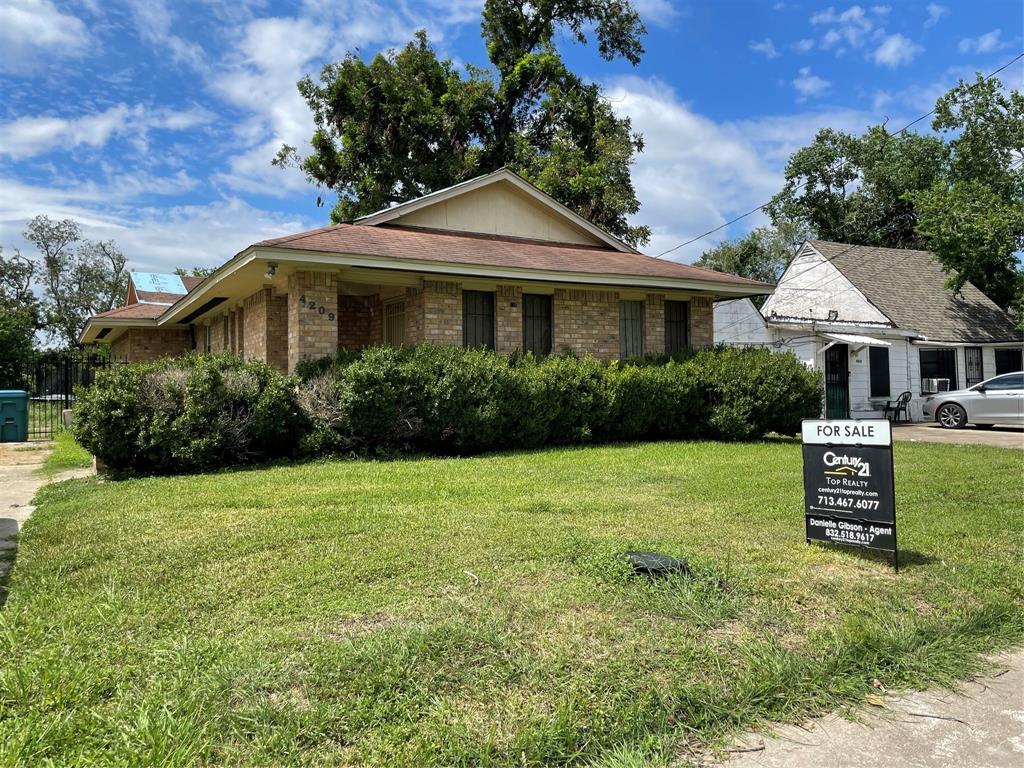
13, 415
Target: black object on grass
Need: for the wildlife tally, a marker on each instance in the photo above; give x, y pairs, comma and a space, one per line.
653, 564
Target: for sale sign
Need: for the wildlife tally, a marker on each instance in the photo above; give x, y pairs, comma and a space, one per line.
848, 483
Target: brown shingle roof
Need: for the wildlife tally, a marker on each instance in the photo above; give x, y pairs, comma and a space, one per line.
909, 288
412, 243
134, 312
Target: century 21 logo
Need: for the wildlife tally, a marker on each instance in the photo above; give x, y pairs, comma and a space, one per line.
846, 466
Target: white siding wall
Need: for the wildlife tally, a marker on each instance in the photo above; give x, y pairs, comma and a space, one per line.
812, 287
738, 324
862, 405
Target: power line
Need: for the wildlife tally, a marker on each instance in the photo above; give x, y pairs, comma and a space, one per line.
761, 207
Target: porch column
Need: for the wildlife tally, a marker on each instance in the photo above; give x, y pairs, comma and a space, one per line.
312, 316
508, 320
702, 325
654, 324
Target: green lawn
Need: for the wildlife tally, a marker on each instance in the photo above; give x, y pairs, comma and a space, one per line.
474, 612
66, 454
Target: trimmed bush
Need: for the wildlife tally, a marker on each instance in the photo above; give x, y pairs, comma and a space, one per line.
202, 412
447, 400
188, 414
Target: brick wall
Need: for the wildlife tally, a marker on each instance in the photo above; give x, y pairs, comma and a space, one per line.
442, 312
217, 326
359, 321
140, 344
654, 324
702, 327
413, 315
265, 320
312, 333
508, 313
587, 322
277, 332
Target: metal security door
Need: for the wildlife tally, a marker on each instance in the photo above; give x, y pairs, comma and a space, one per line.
837, 382
974, 368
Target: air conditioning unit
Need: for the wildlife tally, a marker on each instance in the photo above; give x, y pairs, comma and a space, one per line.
931, 386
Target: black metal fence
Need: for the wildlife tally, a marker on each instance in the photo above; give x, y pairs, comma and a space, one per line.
50, 382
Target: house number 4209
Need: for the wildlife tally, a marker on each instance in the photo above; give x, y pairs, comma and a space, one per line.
313, 306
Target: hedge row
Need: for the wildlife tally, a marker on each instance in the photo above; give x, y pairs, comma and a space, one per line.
204, 412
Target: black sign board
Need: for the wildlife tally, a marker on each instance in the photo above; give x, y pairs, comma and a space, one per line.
849, 496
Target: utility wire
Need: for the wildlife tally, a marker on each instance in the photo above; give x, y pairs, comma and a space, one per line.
761, 207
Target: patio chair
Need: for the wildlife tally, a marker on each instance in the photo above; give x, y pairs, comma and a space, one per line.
900, 405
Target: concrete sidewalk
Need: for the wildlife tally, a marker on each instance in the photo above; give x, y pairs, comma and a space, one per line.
981, 726
20, 478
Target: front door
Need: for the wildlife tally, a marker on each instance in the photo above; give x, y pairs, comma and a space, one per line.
837, 382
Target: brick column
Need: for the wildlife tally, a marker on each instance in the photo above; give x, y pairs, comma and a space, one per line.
508, 318
312, 316
442, 312
232, 334
702, 326
266, 328
413, 315
654, 324
587, 322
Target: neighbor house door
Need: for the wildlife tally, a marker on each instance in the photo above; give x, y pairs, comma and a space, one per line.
837, 382
975, 372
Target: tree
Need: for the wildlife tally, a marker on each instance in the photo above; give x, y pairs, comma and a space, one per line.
19, 318
958, 194
78, 277
763, 254
195, 271
408, 123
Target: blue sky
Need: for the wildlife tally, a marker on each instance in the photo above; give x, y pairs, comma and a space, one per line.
154, 122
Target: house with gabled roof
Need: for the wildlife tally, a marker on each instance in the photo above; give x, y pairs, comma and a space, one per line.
877, 322
491, 262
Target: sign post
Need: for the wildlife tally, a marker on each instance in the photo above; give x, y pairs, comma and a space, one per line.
849, 495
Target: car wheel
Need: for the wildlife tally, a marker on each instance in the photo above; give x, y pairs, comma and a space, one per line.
951, 416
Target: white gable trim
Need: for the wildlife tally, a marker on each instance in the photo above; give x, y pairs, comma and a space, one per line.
502, 174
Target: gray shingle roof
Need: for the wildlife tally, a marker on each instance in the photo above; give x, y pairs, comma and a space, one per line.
909, 288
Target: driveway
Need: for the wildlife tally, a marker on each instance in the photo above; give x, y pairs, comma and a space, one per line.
1000, 436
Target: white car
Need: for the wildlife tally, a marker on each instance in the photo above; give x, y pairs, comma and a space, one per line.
999, 400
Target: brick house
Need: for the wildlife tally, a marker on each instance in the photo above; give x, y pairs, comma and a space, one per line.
490, 262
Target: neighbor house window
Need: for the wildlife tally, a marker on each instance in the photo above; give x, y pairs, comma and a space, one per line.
536, 324
478, 319
631, 329
677, 326
394, 323
878, 362
1008, 361
938, 364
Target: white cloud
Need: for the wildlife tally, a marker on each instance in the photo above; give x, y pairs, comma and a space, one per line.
696, 173
935, 12
153, 21
809, 85
881, 10
851, 26
34, 32
896, 50
658, 12
765, 47
157, 238
986, 43
804, 46
27, 137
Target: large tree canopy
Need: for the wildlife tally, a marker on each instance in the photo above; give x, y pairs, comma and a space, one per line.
408, 123
959, 193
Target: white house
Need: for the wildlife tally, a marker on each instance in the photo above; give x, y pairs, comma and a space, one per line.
878, 322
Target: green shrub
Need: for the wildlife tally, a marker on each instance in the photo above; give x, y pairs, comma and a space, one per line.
190, 413
201, 412
442, 399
